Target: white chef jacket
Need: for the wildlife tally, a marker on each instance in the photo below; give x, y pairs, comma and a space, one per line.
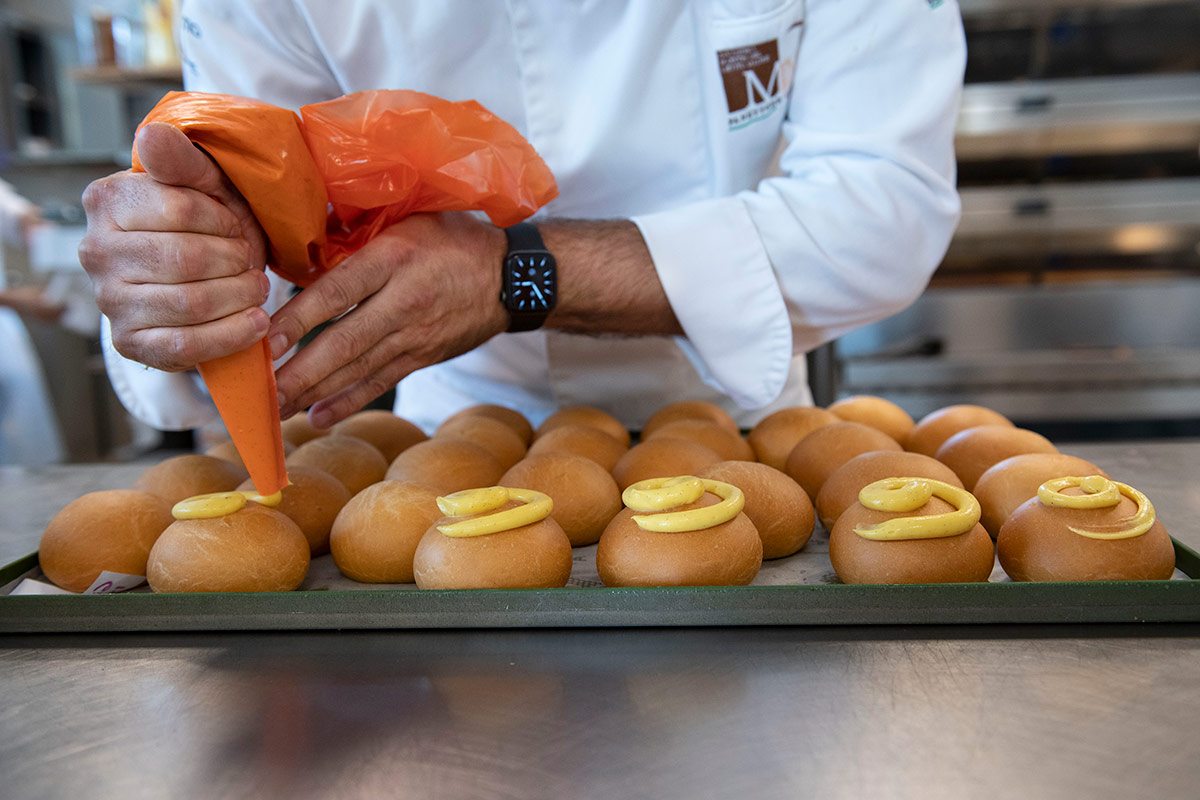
670, 113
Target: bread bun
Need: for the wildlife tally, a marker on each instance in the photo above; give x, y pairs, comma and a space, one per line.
254, 549
773, 438
728, 554
820, 453
585, 415
1009, 483
389, 434
445, 466
376, 534
883, 415
489, 433
729, 445
181, 477
585, 496
533, 556
298, 430
661, 457
841, 488
513, 419
780, 510
971, 452
937, 426
102, 531
352, 461
581, 440
690, 409
1036, 543
227, 450
966, 558
312, 500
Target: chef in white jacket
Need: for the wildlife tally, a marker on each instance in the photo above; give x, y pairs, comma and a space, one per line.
686, 266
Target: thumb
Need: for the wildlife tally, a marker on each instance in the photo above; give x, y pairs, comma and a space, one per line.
169, 157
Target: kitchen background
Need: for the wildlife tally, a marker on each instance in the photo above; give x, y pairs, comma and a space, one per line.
1069, 299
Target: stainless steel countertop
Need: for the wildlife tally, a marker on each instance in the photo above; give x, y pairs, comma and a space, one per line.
1000, 711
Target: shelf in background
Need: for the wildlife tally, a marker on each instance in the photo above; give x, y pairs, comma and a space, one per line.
129, 77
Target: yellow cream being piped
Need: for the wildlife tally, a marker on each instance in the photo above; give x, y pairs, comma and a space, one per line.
1099, 492
535, 506
902, 495
219, 504
660, 494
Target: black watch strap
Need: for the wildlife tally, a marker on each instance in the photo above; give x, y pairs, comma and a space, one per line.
525, 240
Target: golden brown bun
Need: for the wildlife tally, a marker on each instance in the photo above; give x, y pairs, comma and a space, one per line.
390, 435
352, 461
1035, 545
730, 446
228, 451
967, 558
729, 554
780, 510
376, 535
818, 455
112, 530
181, 477
585, 415
298, 430
775, 435
971, 452
662, 457
489, 433
255, 549
581, 440
446, 466
937, 426
585, 496
535, 556
880, 414
513, 419
841, 488
312, 500
1009, 483
690, 409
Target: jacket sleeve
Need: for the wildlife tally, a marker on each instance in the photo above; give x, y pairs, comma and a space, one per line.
861, 216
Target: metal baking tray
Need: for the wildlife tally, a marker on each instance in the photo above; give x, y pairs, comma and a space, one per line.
799, 590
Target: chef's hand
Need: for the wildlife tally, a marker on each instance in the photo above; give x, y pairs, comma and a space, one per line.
175, 256
424, 290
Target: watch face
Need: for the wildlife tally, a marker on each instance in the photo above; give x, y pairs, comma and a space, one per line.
531, 282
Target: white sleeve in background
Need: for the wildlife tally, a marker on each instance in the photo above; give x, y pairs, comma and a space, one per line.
12, 208
860, 218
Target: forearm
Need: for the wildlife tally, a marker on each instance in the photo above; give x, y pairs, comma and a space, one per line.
607, 281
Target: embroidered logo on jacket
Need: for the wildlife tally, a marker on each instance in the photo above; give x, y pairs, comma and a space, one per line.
756, 81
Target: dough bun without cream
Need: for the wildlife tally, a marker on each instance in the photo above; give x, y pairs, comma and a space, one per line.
489, 433
535, 556
841, 488
779, 509
818, 455
376, 534
585, 496
883, 415
1035, 544
254, 549
312, 500
773, 438
228, 451
728, 554
446, 466
690, 409
389, 434
351, 460
966, 558
581, 440
110, 530
513, 419
661, 457
585, 415
971, 452
185, 476
937, 426
730, 446
298, 430
1009, 483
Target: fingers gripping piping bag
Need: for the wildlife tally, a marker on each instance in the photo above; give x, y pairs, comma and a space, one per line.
323, 184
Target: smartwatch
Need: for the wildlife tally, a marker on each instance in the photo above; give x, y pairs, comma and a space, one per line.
529, 279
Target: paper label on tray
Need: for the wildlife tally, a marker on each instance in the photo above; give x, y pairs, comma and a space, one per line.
114, 582
30, 586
